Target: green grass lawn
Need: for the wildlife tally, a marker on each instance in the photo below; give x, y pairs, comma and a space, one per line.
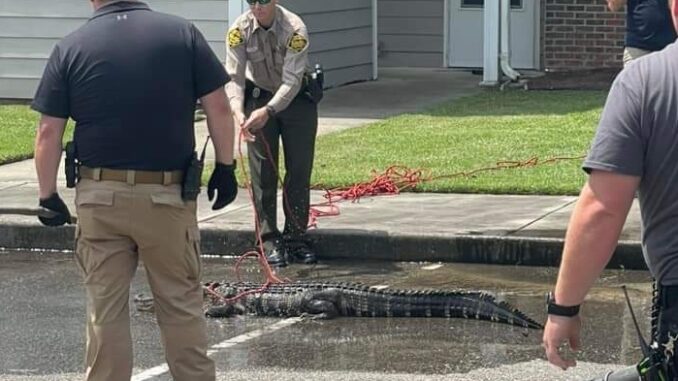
17, 132
472, 133
464, 135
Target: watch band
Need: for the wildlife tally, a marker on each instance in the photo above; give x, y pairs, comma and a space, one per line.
555, 309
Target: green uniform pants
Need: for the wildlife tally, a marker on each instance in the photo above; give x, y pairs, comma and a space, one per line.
297, 126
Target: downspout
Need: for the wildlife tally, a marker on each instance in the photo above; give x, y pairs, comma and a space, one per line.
505, 55
446, 33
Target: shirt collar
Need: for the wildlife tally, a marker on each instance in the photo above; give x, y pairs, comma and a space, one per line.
120, 6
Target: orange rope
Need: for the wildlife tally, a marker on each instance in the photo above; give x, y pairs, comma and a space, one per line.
270, 276
399, 178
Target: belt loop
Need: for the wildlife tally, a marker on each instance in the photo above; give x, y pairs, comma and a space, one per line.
131, 177
166, 178
96, 174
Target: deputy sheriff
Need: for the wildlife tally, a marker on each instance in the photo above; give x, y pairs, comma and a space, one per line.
130, 78
267, 60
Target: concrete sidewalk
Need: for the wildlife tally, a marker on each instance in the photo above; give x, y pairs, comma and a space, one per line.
523, 230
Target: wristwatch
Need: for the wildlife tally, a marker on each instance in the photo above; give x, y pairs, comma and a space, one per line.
271, 111
555, 309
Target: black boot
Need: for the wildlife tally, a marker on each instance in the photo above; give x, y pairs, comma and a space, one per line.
275, 252
300, 252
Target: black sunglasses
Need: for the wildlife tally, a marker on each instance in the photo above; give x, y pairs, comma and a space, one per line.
261, 2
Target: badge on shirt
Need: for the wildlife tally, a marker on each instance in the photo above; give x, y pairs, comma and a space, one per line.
297, 43
235, 38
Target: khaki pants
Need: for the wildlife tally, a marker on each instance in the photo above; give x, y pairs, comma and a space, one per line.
631, 54
118, 225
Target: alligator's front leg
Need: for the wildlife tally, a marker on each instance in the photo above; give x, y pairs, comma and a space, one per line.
319, 309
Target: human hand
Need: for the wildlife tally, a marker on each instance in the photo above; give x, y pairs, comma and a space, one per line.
258, 119
247, 135
56, 206
615, 5
239, 118
222, 181
561, 330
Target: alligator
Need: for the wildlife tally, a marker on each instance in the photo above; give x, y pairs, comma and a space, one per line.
326, 300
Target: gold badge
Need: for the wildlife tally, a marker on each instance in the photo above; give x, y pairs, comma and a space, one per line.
235, 38
297, 43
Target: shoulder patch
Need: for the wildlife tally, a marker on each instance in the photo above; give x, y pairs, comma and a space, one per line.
297, 43
235, 38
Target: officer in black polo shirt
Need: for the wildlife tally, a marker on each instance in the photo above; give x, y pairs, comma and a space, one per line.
130, 78
649, 27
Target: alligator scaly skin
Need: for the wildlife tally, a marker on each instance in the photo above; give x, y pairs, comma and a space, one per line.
327, 300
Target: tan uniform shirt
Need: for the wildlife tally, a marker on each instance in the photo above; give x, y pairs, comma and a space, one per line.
275, 59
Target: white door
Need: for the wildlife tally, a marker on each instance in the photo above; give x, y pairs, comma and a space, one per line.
466, 33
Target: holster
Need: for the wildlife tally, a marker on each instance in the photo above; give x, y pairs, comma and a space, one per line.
190, 189
71, 165
313, 88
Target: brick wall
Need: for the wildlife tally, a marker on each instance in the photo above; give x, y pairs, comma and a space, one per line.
581, 34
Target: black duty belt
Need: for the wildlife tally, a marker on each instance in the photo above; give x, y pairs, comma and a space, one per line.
256, 92
132, 177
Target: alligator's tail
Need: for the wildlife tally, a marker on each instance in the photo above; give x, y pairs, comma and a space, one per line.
451, 304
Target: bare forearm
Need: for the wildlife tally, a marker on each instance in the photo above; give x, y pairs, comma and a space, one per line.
236, 95
223, 136
220, 125
590, 242
48, 149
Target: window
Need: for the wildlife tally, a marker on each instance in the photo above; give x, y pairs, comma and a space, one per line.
515, 4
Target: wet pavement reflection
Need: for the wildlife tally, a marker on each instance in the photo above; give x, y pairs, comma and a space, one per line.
43, 320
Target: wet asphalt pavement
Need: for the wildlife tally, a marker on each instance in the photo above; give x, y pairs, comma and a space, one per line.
42, 326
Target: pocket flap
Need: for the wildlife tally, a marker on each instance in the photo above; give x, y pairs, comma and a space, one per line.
166, 198
94, 197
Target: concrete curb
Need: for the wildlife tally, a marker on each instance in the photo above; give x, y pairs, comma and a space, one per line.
359, 245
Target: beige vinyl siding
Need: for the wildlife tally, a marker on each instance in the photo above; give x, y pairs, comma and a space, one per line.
340, 37
29, 29
411, 33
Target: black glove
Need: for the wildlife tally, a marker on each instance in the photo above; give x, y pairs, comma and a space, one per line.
55, 204
224, 182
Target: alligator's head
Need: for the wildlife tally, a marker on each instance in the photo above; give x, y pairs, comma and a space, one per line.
223, 290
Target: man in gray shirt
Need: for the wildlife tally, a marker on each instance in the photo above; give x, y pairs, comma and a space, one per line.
635, 150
